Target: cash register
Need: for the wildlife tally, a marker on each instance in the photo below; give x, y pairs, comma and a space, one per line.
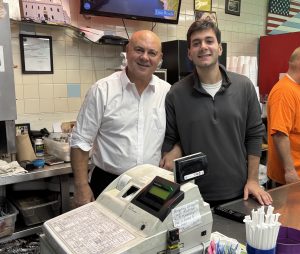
143, 211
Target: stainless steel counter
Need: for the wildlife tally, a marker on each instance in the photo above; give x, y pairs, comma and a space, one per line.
286, 201
47, 171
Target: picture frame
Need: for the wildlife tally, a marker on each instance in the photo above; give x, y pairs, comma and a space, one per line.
233, 7
202, 5
36, 54
212, 15
22, 129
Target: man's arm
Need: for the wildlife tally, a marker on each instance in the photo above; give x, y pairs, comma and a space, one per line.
252, 186
282, 144
79, 162
253, 140
166, 161
171, 148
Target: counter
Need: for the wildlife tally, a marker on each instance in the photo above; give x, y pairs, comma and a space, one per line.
47, 171
286, 201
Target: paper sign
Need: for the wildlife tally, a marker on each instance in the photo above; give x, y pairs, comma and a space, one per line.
186, 216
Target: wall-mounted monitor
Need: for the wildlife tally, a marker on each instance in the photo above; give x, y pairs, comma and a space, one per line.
150, 10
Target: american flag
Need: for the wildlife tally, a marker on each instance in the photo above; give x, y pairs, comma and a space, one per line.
283, 16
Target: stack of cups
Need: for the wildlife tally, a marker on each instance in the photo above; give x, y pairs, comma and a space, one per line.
239, 65
262, 231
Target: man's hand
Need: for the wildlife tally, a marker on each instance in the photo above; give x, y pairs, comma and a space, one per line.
166, 161
83, 195
291, 176
252, 187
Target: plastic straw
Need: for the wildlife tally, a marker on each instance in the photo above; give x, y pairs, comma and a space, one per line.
262, 228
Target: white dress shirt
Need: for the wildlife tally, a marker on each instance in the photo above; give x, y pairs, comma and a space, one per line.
123, 128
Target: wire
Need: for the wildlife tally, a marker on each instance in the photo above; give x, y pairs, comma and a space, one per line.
153, 26
125, 28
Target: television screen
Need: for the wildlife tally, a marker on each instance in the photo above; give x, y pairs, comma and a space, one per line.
164, 11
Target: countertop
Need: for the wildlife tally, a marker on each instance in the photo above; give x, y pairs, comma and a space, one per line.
47, 171
286, 201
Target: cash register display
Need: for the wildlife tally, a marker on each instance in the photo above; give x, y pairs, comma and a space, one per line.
159, 192
159, 197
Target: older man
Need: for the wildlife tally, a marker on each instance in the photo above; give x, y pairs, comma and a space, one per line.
284, 126
122, 118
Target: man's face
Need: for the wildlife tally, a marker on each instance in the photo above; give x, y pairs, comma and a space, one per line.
143, 56
204, 49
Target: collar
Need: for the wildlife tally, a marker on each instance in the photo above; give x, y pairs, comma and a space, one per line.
291, 78
225, 80
125, 81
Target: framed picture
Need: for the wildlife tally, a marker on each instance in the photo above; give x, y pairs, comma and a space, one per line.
202, 5
233, 7
22, 129
208, 15
36, 54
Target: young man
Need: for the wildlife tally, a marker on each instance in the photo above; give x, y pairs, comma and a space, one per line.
216, 112
284, 126
122, 118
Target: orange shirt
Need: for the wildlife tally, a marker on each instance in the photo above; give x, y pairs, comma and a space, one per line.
283, 116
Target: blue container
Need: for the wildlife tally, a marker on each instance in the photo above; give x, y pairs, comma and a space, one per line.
38, 163
251, 250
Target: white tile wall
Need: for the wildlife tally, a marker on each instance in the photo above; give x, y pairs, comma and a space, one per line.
43, 99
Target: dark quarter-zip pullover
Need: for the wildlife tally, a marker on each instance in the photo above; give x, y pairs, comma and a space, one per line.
226, 128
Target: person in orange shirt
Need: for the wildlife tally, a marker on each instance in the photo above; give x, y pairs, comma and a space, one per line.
284, 126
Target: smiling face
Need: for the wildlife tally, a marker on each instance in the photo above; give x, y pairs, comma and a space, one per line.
204, 49
143, 55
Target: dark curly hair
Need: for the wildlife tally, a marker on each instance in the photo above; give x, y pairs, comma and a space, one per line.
201, 25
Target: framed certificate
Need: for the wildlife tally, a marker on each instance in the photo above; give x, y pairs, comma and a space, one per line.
36, 54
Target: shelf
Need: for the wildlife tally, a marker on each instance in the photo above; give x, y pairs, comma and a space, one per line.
22, 233
70, 30
47, 171
60, 170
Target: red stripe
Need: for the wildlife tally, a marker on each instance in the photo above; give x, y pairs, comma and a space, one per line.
295, 3
272, 25
294, 9
276, 19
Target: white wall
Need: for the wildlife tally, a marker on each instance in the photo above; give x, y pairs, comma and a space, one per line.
43, 99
